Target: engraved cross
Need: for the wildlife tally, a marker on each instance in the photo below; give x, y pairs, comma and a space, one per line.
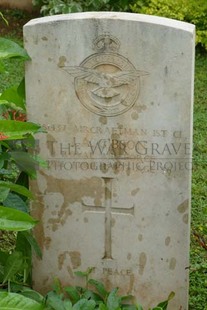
107, 209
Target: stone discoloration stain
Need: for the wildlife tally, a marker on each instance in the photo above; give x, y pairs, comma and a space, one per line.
61, 259
117, 148
140, 237
47, 242
44, 282
185, 218
183, 207
134, 191
167, 241
73, 191
172, 263
62, 61
61, 218
50, 141
129, 256
134, 115
103, 120
131, 283
142, 262
74, 256
75, 259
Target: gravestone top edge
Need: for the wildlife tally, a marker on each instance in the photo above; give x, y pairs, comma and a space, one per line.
143, 18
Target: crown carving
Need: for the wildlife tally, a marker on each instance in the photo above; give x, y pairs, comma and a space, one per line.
106, 43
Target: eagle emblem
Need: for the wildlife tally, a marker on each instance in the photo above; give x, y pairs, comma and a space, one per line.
106, 83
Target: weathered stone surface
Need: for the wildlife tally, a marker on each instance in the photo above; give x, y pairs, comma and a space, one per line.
114, 92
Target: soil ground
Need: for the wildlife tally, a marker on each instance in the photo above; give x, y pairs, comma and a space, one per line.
16, 20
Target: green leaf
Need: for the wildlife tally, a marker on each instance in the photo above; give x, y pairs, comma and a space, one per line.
113, 301
4, 19
21, 89
14, 220
73, 293
130, 307
85, 304
2, 67
57, 287
81, 273
9, 105
88, 294
29, 293
55, 301
9, 49
84, 274
15, 202
102, 307
13, 301
17, 188
99, 287
32, 241
127, 298
13, 266
17, 129
24, 247
163, 305
25, 162
3, 193
11, 95
3, 257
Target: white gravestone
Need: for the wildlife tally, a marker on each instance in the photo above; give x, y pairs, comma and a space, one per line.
114, 92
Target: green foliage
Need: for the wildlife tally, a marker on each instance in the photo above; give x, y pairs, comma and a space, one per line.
52, 7
12, 301
93, 296
15, 220
191, 11
198, 270
16, 137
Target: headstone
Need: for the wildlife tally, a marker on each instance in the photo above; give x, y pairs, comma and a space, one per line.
114, 92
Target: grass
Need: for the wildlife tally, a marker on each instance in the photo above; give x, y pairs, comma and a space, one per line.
198, 271
13, 75
198, 268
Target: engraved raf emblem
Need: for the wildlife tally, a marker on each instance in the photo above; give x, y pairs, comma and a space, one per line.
106, 83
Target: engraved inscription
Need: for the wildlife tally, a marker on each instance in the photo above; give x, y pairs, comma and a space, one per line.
107, 209
106, 83
116, 272
122, 150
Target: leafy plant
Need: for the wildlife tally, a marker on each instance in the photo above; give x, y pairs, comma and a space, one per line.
52, 7
93, 296
13, 301
16, 137
191, 11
